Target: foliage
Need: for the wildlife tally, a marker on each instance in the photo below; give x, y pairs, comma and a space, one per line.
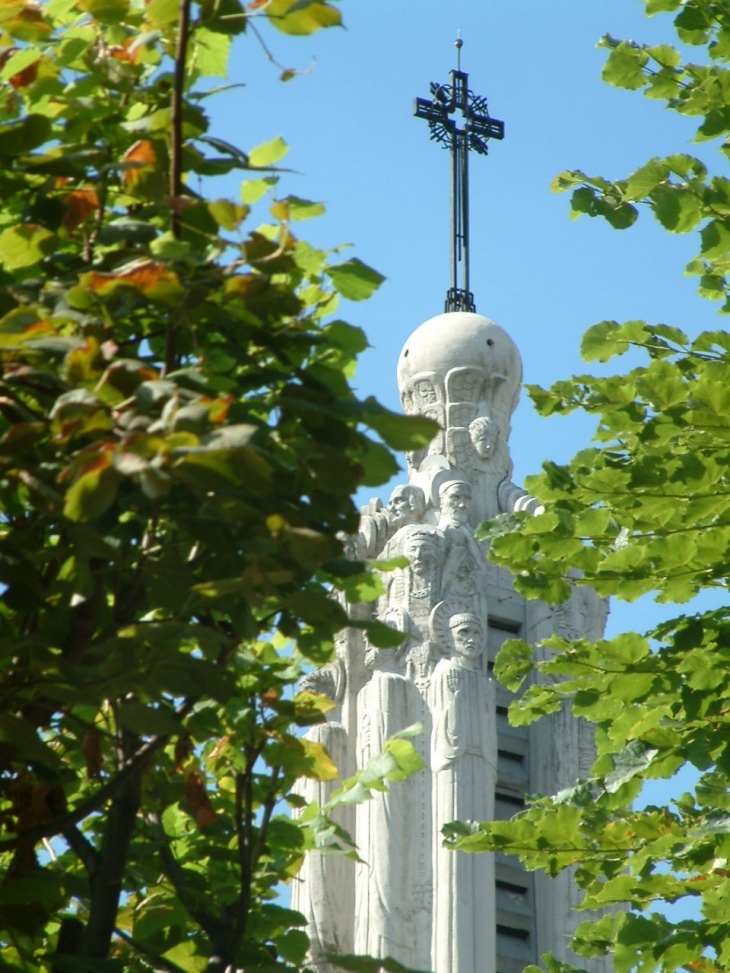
179, 447
646, 509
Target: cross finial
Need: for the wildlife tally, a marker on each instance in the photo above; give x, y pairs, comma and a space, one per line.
477, 129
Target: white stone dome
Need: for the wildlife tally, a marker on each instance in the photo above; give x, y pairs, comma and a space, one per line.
448, 348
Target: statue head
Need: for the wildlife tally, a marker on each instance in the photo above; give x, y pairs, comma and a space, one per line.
455, 502
407, 504
421, 549
467, 636
484, 433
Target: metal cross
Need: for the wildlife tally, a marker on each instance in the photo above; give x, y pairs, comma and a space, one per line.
477, 129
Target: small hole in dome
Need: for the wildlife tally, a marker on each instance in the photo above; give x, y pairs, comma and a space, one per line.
405, 353
490, 342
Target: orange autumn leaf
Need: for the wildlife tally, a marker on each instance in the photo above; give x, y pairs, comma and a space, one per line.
93, 459
28, 799
91, 750
14, 12
144, 275
24, 77
183, 748
139, 157
198, 801
122, 51
220, 407
81, 204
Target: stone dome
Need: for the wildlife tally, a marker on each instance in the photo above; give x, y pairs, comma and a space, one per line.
457, 358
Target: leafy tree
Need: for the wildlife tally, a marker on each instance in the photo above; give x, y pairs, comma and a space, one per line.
179, 447
646, 509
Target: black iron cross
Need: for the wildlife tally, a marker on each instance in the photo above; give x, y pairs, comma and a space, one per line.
477, 129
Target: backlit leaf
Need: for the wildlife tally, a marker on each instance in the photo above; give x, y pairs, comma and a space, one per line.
25, 245
354, 279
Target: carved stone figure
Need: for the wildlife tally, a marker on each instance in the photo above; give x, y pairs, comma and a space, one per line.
324, 889
378, 524
384, 907
409, 898
464, 766
465, 571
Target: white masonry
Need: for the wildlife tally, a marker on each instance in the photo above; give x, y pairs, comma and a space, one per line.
409, 898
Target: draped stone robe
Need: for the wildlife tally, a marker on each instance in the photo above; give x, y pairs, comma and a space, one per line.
464, 766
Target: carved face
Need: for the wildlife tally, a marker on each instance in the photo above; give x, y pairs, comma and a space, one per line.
484, 434
403, 506
466, 635
422, 554
456, 503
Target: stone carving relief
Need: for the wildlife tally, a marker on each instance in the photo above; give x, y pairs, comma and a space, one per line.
464, 767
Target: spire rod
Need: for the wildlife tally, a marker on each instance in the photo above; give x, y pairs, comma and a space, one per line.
478, 128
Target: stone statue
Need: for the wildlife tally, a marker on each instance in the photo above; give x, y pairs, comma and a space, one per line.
378, 524
408, 897
384, 883
464, 766
324, 888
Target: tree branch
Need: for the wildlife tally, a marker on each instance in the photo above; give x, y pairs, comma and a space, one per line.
176, 166
106, 880
214, 928
59, 825
82, 847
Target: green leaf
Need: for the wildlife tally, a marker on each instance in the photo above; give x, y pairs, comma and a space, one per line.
378, 463
146, 720
293, 946
406, 756
625, 65
227, 214
603, 341
647, 178
94, 491
18, 62
210, 50
354, 279
27, 746
252, 190
108, 11
160, 13
633, 761
660, 6
25, 245
317, 763
264, 156
302, 16
678, 209
402, 432
303, 209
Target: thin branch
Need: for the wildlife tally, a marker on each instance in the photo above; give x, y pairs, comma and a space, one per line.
82, 848
176, 161
289, 72
107, 879
176, 115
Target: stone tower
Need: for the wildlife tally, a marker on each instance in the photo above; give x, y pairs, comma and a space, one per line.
409, 898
